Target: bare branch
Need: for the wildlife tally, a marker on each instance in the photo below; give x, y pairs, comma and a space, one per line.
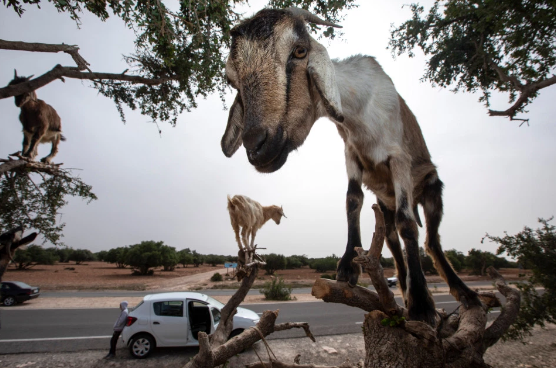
72, 50
63, 71
527, 91
290, 325
26, 163
508, 314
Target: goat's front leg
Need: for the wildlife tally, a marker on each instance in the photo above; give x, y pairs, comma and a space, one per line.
26, 141
32, 151
54, 150
347, 270
420, 304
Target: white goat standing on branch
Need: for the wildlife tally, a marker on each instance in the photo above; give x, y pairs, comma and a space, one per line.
286, 81
250, 215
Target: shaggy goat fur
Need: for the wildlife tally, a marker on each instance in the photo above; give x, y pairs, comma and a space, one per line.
41, 123
286, 81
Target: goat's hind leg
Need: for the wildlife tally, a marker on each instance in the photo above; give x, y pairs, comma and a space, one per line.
432, 203
54, 150
420, 303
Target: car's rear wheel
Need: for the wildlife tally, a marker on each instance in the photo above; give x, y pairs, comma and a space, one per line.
9, 301
141, 346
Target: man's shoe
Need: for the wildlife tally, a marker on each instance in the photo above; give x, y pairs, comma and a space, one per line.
110, 356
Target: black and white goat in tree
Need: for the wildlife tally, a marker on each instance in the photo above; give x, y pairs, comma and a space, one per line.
285, 82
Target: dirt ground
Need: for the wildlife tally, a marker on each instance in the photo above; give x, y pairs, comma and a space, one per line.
105, 276
538, 351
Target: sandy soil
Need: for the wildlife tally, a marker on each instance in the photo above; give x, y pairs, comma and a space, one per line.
539, 351
105, 276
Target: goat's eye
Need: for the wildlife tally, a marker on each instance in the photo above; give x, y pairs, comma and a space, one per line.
300, 52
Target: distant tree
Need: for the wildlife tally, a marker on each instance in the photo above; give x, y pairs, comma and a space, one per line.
427, 264
81, 255
537, 249
505, 46
198, 259
214, 259
325, 264
274, 262
477, 261
32, 256
169, 258
62, 253
117, 256
185, 257
297, 261
387, 262
145, 256
100, 255
456, 258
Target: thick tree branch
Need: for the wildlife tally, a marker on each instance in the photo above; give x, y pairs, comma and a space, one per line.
509, 312
339, 292
290, 325
70, 72
371, 263
72, 50
279, 364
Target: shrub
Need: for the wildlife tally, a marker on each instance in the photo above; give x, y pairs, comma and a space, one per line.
276, 290
144, 256
81, 255
216, 277
296, 261
327, 276
32, 256
185, 257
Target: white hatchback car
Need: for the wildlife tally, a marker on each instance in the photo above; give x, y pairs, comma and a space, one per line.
175, 319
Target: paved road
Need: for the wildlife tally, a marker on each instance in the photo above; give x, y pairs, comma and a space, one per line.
55, 330
212, 292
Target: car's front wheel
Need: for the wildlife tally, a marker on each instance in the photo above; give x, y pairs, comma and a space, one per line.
9, 301
141, 346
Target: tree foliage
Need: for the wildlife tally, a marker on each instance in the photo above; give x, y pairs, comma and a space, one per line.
81, 255
35, 199
325, 264
32, 256
180, 49
536, 248
117, 256
145, 256
169, 257
485, 45
274, 262
185, 257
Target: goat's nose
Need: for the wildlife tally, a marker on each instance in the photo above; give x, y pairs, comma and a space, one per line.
254, 139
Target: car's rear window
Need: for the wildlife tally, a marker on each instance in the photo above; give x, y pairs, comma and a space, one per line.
21, 284
171, 308
137, 306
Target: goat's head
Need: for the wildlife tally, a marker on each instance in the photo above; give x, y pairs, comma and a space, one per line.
281, 74
22, 99
277, 214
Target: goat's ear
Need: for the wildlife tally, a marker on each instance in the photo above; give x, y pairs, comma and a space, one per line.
322, 74
231, 140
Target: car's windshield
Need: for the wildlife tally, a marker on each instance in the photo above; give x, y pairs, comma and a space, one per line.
215, 302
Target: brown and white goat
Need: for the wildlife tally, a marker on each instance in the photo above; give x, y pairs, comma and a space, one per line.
41, 123
286, 81
250, 216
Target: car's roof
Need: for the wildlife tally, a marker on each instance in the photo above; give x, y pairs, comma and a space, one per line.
17, 283
176, 295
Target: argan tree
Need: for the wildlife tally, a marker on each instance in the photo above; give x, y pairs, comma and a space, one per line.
180, 50
472, 45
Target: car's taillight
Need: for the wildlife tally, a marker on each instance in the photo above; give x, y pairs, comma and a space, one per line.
130, 321
29, 292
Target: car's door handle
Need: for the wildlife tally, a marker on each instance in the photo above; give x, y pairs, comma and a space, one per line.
156, 323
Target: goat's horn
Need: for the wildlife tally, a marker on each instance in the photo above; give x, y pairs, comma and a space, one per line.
15, 73
310, 17
31, 76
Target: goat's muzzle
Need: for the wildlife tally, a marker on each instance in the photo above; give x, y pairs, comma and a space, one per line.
267, 151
